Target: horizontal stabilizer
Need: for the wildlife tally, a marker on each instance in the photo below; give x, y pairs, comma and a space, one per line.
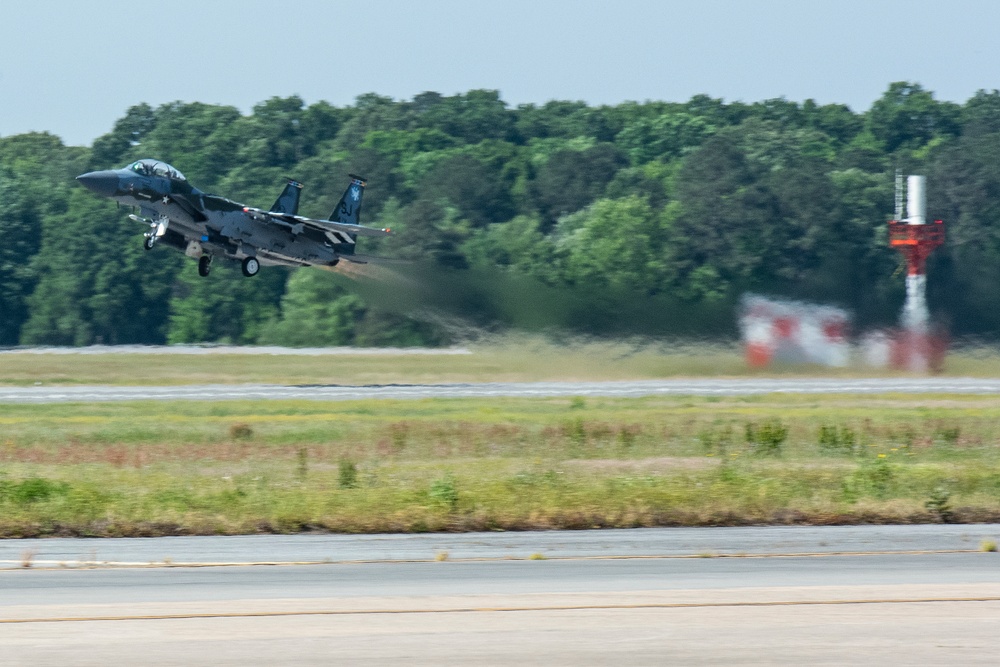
322, 225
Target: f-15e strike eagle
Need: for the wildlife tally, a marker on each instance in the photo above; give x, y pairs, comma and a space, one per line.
204, 226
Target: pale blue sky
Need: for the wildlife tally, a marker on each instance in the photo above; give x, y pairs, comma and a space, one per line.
74, 67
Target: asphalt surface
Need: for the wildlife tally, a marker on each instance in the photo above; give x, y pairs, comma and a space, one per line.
630, 543
862, 609
525, 577
447, 579
672, 387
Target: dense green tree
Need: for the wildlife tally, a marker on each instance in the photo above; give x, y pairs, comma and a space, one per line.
663, 138
837, 121
473, 117
858, 264
429, 229
372, 113
316, 310
88, 289
518, 245
557, 119
20, 232
595, 212
570, 180
615, 243
909, 116
965, 191
227, 308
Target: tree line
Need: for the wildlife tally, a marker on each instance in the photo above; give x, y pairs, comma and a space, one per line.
646, 218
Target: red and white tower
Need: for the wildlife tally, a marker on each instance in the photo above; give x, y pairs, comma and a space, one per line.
916, 239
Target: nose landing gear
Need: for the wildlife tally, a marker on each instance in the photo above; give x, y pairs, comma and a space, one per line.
158, 228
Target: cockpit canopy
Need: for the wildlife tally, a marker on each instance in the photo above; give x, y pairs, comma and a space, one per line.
156, 168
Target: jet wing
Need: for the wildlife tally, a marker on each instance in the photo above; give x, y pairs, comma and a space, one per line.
292, 221
189, 208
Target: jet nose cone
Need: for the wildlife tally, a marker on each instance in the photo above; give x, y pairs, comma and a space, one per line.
101, 182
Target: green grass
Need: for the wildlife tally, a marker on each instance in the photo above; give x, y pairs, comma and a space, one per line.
509, 359
471, 464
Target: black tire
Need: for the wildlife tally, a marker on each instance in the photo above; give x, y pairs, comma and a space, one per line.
204, 265
251, 265
148, 242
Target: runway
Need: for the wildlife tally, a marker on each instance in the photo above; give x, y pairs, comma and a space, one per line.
633, 389
571, 609
635, 543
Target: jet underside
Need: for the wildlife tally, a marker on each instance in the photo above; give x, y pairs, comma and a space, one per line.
231, 232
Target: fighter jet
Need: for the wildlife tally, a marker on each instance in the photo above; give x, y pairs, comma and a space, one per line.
205, 226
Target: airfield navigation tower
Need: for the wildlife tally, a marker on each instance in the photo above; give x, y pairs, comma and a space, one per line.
915, 238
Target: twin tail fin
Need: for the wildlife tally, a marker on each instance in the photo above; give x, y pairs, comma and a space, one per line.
348, 209
288, 200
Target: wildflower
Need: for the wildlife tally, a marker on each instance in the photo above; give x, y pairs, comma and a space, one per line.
881, 456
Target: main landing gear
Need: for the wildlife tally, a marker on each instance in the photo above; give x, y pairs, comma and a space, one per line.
204, 265
250, 267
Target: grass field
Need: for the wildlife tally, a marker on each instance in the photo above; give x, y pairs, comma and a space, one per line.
422, 465
510, 359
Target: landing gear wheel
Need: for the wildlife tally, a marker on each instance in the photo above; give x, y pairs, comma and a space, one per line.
204, 265
149, 242
250, 267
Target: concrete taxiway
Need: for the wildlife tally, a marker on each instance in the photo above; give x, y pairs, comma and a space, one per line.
920, 595
631, 543
670, 387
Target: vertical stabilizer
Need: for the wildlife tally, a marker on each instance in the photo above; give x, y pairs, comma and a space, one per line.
288, 200
348, 209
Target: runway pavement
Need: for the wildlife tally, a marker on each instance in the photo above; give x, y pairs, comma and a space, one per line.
630, 543
600, 597
882, 609
671, 387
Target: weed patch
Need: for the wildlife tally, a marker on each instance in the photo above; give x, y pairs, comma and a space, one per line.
837, 441
768, 438
939, 504
241, 431
31, 490
347, 474
445, 493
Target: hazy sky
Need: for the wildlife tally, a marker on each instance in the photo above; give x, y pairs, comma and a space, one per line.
73, 67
